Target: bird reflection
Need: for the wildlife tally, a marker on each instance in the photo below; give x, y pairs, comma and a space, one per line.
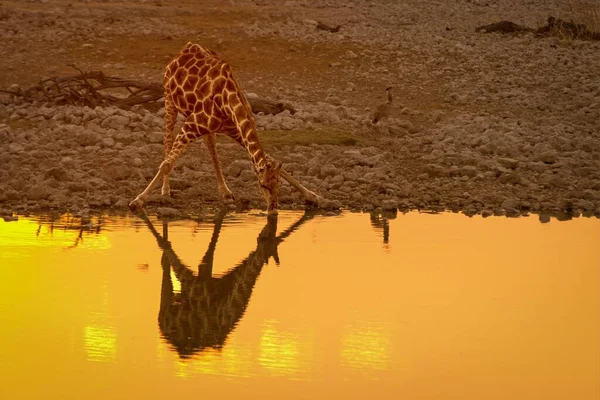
381, 221
208, 308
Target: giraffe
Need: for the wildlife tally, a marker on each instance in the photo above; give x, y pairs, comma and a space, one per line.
199, 85
208, 308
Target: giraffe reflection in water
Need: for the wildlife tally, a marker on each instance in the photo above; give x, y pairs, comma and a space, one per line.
208, 308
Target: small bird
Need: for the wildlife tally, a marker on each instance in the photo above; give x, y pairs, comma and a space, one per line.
383, 110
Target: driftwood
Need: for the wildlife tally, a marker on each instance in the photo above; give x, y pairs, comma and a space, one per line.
554, 27
267, 106
503, 27
91, 89
94, 89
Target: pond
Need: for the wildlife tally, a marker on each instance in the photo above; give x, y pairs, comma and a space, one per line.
303, 306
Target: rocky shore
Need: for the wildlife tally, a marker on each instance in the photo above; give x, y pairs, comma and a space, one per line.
481, 123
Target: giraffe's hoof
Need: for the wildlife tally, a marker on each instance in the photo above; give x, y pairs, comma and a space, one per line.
229, 198
136, 204
313, 199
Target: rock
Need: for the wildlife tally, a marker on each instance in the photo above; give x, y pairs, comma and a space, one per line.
247, 175
57, 173
78, 186
88, 138
122, 203
330, 204
468, 170
544, 218
586, 205
374, 160
115, 122
39, 192
46, 112
328, 170
137, 162
454, 171
237, 166
156, 137
168, 212
511, 177
117, 172
389, 205
508, 162
337, 179
509, 204
548, 157
108, 142
436, 170
470, 210
15, 148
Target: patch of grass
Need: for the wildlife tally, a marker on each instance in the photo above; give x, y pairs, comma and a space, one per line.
304, 137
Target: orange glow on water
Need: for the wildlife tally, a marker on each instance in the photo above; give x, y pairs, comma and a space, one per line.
449, 307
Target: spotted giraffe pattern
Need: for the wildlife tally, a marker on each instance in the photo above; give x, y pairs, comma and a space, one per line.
201, 86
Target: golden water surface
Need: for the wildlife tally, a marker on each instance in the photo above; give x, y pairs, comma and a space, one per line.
302, 307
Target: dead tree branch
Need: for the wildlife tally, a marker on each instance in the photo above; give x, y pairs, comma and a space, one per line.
94, 88
554, 27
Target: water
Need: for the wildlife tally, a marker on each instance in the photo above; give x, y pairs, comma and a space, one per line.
420, 307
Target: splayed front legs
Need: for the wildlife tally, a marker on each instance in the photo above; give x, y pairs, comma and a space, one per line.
310, 196
181, 142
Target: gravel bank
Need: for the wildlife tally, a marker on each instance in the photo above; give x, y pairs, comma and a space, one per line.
481, 123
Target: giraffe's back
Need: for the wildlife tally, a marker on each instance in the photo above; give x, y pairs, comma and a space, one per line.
198, 81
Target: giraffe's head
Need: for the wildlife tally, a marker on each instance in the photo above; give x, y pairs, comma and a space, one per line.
268, 179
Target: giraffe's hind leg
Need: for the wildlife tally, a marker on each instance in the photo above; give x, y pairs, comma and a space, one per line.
210, 140
170, 118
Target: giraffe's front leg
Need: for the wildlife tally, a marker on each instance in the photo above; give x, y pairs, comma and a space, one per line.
163, 171
170, 118
224, 192
166, 188
181, 142
309, 195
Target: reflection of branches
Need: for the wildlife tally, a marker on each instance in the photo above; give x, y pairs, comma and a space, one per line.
209, 308
68, 223
78, 240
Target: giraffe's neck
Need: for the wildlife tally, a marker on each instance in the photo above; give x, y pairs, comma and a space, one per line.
249, 139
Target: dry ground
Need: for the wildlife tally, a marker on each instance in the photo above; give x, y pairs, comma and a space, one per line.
480, 123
